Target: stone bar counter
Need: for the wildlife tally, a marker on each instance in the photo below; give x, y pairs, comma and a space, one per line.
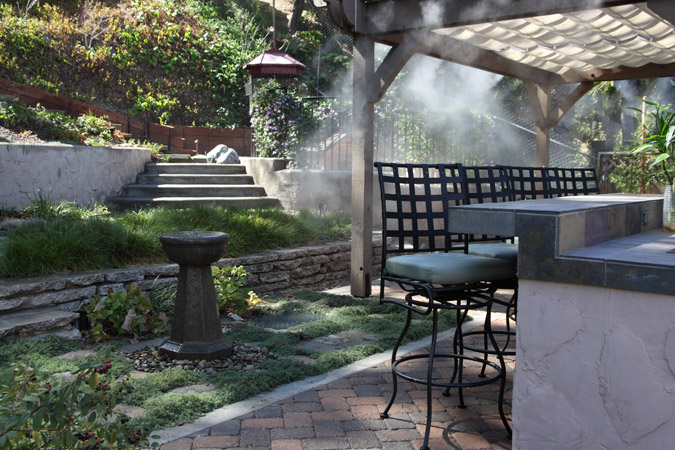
595, 358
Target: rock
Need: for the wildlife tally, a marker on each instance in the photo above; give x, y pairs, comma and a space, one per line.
222, 154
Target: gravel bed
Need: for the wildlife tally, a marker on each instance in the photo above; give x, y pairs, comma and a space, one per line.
244, 357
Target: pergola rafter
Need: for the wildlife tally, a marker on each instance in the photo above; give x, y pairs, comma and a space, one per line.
541, 42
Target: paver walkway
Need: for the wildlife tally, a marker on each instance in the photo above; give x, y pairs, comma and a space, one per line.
345, 414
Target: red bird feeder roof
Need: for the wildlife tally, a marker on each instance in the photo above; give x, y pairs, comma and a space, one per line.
275, 62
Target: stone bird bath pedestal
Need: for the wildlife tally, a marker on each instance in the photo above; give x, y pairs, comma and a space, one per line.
196, 332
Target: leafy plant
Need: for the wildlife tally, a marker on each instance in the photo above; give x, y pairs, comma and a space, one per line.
629, 176
53, 125
76, 414
278, 121
126, 313
659, 144
228, 282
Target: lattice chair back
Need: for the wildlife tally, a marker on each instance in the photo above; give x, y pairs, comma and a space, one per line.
528, 183
486, 184
575, 181
415, 201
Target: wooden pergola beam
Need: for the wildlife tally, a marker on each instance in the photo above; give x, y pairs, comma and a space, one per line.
397, 57
557, 113
448, 49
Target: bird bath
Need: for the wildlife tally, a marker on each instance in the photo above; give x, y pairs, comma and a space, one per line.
196, 331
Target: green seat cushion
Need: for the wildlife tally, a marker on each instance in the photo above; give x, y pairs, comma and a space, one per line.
449, 268
503, 250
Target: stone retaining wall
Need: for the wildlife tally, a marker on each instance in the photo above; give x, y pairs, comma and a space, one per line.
74, 173
276, 270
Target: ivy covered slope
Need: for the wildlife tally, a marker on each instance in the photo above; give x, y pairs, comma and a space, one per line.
168, 61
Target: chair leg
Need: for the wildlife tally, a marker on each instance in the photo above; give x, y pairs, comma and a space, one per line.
502, 364
458, 349
430, 374
385, 413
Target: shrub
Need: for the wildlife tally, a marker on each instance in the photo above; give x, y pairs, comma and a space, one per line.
57, 126
75, 414
126, 313
228, 282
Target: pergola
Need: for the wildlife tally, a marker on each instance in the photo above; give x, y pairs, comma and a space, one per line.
541, 42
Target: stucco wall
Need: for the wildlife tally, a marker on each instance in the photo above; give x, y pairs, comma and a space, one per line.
595, 369
308, 189
76, 173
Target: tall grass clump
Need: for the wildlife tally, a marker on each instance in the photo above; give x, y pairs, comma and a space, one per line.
66, 237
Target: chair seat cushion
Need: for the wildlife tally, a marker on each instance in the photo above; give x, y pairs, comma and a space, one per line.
503, 250
449, 268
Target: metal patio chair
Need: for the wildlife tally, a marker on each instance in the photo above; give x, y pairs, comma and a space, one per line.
529, 183
436, 273
490, 184
578, 181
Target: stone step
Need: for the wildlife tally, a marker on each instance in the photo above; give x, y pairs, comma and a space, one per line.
194, 178
193, 190
34, 322
186, 202
184, 168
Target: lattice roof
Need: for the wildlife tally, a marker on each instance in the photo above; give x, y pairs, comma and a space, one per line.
607, 38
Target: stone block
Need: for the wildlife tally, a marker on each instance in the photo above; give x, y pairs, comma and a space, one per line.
249, 260
85, 279
157, 283
310, 281
273, 277
121, 276
259, 268
46, 284
306, 271
341, 256
320, 259
289, 264
314, 250
64, 296
30, 322
292, 253
70, 306
166, 270
108, 289
338, 266
12, 304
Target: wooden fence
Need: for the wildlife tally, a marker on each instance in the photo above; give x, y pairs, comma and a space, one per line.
177, 138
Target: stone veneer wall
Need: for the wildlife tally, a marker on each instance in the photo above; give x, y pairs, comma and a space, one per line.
275, 270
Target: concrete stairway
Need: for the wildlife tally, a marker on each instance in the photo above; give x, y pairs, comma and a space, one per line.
194, 184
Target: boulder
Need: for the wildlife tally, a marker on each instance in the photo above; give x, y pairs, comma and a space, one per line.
222, 154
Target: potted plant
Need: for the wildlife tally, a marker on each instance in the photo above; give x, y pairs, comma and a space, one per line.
658, 146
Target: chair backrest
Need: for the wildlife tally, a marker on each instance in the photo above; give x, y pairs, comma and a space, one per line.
415, 200
528, 183
486, 184
578, 181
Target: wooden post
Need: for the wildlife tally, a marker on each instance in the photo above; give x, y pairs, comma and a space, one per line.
362, 168
543, 154
538, 97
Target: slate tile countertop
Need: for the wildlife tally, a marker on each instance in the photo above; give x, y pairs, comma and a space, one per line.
612, 240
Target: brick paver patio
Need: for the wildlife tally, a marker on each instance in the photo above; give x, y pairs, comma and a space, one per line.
345, 414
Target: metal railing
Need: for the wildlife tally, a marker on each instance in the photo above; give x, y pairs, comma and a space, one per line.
402, 137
